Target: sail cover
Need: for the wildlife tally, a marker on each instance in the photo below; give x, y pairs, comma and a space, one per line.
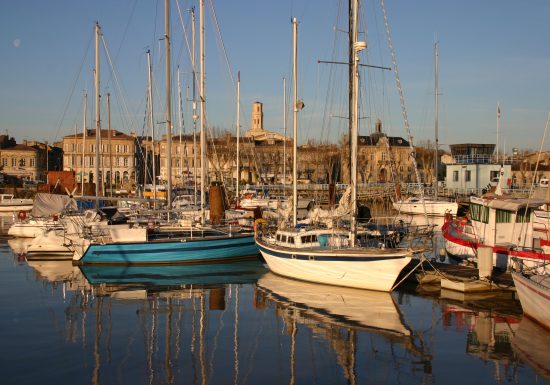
49, 204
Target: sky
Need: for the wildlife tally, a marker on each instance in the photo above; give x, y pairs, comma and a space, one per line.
489, 52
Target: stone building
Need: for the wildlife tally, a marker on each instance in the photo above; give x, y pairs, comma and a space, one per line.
24, 162
380, 158
119, 156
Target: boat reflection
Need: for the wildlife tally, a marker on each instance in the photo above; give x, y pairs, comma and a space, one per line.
531, 343
177, 315
156, 277
341, 316
490, 321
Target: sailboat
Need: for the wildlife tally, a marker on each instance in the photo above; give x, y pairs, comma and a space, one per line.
140, 246
422, 205
328, 255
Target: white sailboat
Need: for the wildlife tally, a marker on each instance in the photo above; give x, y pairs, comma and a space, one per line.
331, 256
422, 205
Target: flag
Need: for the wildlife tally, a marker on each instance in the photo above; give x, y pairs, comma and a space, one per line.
498, 111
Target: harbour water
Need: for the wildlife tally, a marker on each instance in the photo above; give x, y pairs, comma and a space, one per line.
240, 324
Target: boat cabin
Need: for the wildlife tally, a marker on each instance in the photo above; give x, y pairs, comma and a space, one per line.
307, 238
507, 221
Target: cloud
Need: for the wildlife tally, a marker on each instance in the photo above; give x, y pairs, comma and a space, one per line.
16, 43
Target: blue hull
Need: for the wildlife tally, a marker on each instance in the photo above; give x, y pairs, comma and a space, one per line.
175, 275
198, 250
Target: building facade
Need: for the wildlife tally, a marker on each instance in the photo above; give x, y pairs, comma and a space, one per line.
28, 163
119, 158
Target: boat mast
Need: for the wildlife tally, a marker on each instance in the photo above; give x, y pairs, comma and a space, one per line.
357, 46
195, 117
202, 109
295, 122
168, 103
284, 130
498, 125
84, 143
152, 123
97, 115
109, 141
238, 133
436, 108
180, 122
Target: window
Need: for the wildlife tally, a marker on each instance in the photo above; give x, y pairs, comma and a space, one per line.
495, 176
4, 162
13, 162
290, 239
33, 162
21, 162
468, 176
126, 161
523, 215
503, 216
479, 213
455, 176
309, 238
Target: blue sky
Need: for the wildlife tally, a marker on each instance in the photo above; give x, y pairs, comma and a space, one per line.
490, 51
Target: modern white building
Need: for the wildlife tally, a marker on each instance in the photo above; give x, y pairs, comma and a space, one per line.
474, 168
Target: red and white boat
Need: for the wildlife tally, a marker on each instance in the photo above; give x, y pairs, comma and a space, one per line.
507, 225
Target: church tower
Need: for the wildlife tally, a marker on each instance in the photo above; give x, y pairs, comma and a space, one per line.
257, 117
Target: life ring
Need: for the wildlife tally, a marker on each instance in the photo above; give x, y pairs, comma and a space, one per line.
22, 215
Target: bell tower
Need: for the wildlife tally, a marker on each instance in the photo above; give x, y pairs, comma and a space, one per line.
257, 117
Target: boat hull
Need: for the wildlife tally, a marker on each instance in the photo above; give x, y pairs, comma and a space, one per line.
435, 208
534, 298
15, 207
197, 250
336, 267
462, 246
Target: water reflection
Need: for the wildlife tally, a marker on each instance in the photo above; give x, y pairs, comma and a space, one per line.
236, 324
531, 343
343, 317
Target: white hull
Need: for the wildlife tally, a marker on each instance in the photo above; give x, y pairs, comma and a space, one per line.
534, 296
32, 228
352, 269
15, 207
436, 208
50, 246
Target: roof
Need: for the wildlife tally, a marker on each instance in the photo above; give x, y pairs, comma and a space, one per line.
373, 139
104, 134
20, 147
510, 204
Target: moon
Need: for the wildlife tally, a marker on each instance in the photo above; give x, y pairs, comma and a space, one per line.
17, 43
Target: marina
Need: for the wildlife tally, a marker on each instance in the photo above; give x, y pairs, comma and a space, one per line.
145, 240
239, 323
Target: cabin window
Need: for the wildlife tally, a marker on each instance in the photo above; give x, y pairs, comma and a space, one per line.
468, 176
291, 240
455, 176
523, 215
503, 216
309, 238
283, 238
495, 176
479, 213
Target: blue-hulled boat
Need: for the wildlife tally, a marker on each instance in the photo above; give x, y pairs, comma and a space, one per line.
196, 248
